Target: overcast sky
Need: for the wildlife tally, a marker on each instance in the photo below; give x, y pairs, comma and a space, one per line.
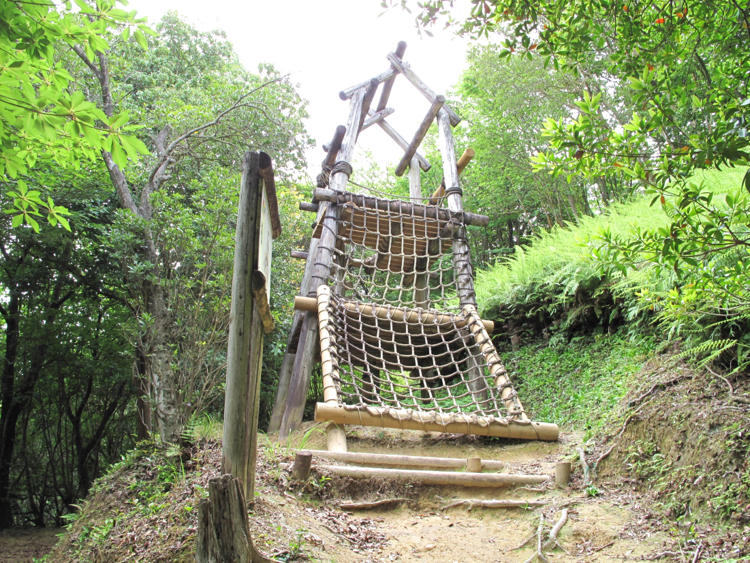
327, 46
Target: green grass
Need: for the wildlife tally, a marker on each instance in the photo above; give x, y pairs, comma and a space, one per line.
577, 386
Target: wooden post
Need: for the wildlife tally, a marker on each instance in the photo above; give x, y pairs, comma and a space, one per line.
223, 533
302, 463
321, 269
245, 346
562, 474
461, 261
388, 85
422, 279
474, 465
437, 197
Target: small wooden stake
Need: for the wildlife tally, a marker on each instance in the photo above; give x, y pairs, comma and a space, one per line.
302, 466
474, 465
562, 474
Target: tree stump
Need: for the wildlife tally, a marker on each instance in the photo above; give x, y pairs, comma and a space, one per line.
223, 532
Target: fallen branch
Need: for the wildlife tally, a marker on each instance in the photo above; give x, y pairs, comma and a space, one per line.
698, 552
539, 553
552, 541
369, 505
531, 537
605, 546
477, 503
662, 554
656, 386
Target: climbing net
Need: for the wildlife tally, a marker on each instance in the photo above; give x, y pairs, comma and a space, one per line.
392, 330
397, 253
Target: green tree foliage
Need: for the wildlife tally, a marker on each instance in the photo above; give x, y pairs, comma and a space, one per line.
686, 65
200, 111
505, 102
66, 369
44, 118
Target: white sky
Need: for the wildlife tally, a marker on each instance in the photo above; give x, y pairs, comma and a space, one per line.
329, 45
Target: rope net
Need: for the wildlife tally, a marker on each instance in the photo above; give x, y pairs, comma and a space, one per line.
397, 253
397, 336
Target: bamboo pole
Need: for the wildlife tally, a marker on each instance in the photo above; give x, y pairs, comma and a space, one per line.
497, 370
437, 477
434, 422
404, 460
308, 304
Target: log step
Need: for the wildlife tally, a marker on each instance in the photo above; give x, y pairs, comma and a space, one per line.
437, 477
403, 460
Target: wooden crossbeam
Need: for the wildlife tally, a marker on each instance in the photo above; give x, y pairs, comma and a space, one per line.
401, 142
426, 91
377, 117
411, 150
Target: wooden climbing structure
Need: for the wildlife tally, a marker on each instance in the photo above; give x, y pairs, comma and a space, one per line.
387, 303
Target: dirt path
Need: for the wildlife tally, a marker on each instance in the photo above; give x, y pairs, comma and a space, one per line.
22, 546
604, 528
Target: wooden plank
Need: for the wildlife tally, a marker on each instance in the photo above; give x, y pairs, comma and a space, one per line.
437, 477
411, 150
434, 422
377, 117
260, 293
265, 166
404, 460
388, 85
265, 235
401, 142
390, 313
425, 90
245, 342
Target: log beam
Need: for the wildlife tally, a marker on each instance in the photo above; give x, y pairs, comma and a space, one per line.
416, 420
401, 142
400, 207
425, 90
387, 312
437, 477
388, 85
404, 460
411, 150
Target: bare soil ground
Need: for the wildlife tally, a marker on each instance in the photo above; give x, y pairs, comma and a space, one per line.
24, 545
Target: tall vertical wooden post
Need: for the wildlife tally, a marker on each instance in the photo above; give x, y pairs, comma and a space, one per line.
308, 340
257, 223
461, 261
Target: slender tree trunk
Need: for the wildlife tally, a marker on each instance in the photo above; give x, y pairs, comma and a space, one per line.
7, 422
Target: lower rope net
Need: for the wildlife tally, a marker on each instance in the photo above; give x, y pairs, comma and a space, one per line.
397, 359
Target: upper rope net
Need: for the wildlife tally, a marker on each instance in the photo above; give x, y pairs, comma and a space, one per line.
395, 252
